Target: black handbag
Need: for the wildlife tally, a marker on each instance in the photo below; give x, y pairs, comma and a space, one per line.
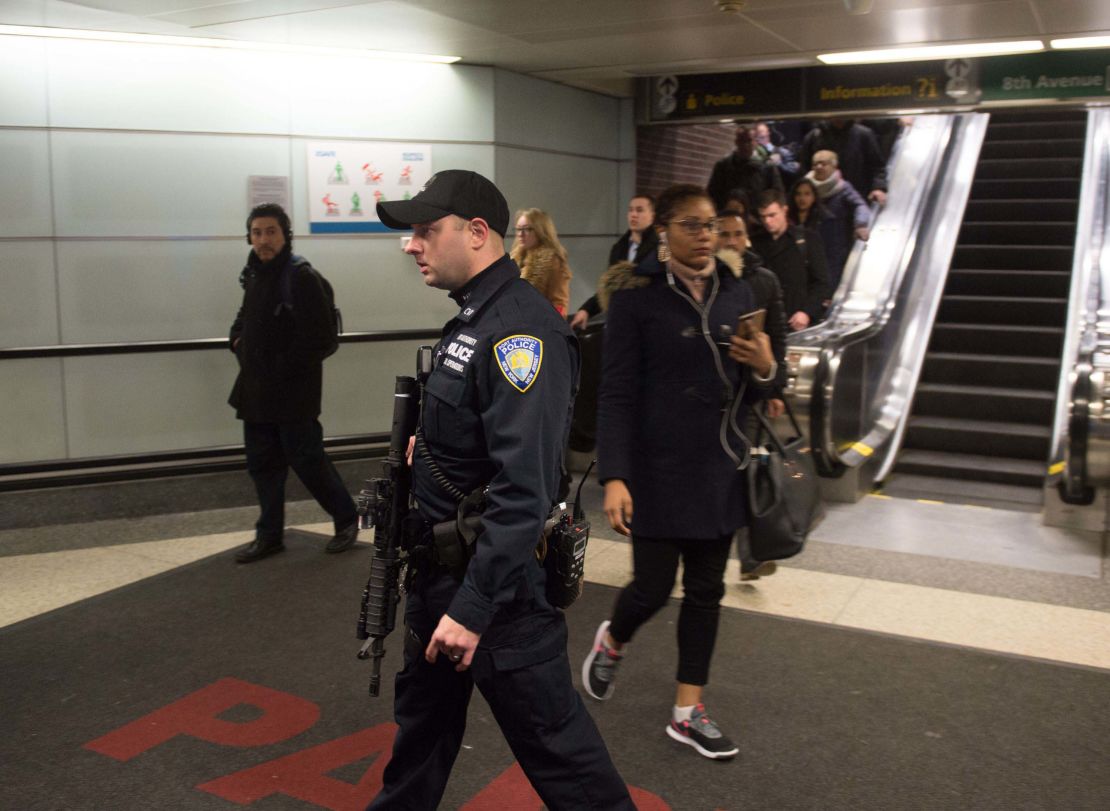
784, 499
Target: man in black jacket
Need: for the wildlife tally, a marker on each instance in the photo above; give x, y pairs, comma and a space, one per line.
797, 257
635, 243
284, 330
741, 170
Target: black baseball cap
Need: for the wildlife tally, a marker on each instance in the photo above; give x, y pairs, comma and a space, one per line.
453, 191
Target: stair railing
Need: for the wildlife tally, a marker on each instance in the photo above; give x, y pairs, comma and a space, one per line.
853, 376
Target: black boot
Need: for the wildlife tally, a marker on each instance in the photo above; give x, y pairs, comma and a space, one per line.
344, 539
259, 548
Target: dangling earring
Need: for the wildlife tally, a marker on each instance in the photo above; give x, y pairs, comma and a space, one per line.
664, 249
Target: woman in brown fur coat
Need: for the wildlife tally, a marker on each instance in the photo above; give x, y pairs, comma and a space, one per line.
542, 260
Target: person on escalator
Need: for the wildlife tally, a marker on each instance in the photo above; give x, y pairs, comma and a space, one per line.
797, 256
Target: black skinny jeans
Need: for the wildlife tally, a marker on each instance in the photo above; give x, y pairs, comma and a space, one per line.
654, 566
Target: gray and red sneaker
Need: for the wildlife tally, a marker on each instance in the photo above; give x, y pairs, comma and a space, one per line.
600, 668
702, 733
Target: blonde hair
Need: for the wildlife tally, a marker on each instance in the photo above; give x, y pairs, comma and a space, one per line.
544, 228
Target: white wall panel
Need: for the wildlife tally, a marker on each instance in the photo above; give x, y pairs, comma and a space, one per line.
149, 291
358, 386
116, 85
31, 419
579, 193
368, 98
22, 82
376, 286
119, 404
28, 306
537, 113
25, 184
139, 184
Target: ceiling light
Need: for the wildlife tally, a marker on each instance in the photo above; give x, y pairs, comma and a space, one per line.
931, 52
731, 6
207, 42
859, 6
1081, 42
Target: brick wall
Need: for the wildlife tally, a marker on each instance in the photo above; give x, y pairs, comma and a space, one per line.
679, 154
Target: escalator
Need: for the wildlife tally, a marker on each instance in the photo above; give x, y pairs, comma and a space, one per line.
980, 428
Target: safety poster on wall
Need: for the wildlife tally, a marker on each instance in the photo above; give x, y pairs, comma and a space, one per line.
347, 179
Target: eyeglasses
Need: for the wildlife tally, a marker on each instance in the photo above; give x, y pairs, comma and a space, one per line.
695, 227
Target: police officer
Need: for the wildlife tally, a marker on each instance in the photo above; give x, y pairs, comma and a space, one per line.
495, 412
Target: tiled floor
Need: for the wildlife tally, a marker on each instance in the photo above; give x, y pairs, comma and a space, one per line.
1022, 591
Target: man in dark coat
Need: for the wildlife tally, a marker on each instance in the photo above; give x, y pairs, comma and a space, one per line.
861, 161
797, 257
284, 330
741, 170
634, 245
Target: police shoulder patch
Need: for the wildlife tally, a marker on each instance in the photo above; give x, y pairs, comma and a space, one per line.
519, 358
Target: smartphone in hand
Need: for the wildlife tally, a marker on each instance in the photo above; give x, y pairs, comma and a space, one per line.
751, 324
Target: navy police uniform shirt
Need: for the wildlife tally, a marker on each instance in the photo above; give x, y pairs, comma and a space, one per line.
496, 410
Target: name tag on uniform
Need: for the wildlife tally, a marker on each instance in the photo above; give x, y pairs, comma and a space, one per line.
519, 358
457, 354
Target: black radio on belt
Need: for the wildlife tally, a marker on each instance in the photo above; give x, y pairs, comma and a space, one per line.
566, 559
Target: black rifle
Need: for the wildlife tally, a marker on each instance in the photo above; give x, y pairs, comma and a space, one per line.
384, 503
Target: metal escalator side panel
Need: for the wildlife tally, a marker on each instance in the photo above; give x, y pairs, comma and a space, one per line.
915, 308
1080, 449
861, 305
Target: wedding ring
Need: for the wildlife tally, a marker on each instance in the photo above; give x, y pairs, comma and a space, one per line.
454, 657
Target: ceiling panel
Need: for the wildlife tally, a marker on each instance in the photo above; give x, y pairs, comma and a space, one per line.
1066, 16
589, 43
1011, 18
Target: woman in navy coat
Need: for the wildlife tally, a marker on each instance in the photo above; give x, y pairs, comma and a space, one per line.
674, 386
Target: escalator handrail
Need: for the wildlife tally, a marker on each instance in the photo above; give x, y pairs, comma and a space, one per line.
1087, 334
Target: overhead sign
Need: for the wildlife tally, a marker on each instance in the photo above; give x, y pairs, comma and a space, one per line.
831, 89
1054, 75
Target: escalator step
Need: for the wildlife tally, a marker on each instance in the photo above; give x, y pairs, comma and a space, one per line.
1017, 257
1052, 115
976, 467
1001, 130
1029, 406
1001, 371
1033, 150
1046, 283
1026, 210
1017, 233
1018, 310
992, 339
957, 491
956, 435
1048, 188
1008, 169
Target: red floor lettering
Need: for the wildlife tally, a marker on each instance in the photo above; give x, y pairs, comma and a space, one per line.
195, 715
511, 790
303, 775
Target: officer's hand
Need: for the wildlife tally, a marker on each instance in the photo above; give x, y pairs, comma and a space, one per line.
454, 641
755, 352
580, 319
618, 505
